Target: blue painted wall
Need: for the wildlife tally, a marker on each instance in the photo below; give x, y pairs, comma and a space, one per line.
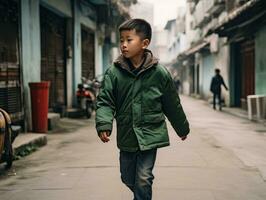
106, 56
31, 42
31, 45
31, 50
79, 19
260, 61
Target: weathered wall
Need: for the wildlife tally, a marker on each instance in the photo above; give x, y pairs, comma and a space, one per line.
62, 7
260, 61
207, 71
31, 50
106, 56
79, 20
222, 62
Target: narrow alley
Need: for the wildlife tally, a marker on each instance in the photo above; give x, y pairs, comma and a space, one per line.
221, 159
61, 60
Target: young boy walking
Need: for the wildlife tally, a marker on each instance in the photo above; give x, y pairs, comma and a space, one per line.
138, 92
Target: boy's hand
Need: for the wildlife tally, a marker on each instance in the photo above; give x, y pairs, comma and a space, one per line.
183, 138
105, 136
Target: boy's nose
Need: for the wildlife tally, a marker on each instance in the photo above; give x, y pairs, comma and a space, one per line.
124, 46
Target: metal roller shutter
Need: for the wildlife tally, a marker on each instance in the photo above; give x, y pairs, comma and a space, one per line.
88, 64
10, 76
53, 55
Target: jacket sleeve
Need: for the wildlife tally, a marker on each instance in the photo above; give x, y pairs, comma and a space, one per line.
173, 110
105, 105
224, 84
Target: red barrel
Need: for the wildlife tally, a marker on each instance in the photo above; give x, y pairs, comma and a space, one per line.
39, 105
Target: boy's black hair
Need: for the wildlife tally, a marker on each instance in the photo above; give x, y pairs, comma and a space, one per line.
142, 27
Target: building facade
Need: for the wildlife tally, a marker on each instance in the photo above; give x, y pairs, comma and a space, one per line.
205, 51
159, 41
53, 40
244, 27
229, 35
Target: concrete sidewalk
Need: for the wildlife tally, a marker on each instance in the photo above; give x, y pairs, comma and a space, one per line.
231, 126
35, 140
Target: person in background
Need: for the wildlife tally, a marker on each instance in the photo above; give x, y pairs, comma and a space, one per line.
215, 88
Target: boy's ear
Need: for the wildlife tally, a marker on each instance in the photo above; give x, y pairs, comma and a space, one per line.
146, 43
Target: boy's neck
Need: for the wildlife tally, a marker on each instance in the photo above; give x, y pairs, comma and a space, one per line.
137, 61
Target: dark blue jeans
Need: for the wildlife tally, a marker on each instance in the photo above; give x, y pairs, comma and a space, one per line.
136, 172
217, 95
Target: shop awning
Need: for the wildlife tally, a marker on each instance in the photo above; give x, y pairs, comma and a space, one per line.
244, 19
196, 48
169, 23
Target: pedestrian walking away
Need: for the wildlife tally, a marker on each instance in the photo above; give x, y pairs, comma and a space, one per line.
215, 88
138, 92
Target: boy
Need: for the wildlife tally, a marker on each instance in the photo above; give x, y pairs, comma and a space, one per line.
137, 91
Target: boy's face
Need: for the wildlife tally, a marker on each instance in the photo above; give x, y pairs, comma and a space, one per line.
131, 44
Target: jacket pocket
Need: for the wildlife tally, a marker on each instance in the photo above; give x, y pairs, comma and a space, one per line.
153, 118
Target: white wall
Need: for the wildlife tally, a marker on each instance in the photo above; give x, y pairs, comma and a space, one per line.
98, 58
160, 45
191, 35
222, 62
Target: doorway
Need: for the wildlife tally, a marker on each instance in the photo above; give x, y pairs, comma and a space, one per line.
88, 53
53, 29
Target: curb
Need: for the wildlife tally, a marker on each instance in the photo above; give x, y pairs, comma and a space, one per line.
27, 140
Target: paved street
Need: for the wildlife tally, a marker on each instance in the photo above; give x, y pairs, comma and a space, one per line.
222, 159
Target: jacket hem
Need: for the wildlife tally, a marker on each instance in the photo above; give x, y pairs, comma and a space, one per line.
142, 147
155, 146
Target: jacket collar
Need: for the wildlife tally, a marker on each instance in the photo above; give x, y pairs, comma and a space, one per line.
150, 61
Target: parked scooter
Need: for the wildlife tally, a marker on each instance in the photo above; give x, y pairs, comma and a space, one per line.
8, 134
86, 95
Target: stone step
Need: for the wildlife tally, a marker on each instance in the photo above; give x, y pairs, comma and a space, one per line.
74, 113
53, 120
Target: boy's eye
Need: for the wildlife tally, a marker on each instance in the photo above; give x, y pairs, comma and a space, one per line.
129, 40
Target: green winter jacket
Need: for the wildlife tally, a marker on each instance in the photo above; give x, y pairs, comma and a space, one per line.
139, 103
